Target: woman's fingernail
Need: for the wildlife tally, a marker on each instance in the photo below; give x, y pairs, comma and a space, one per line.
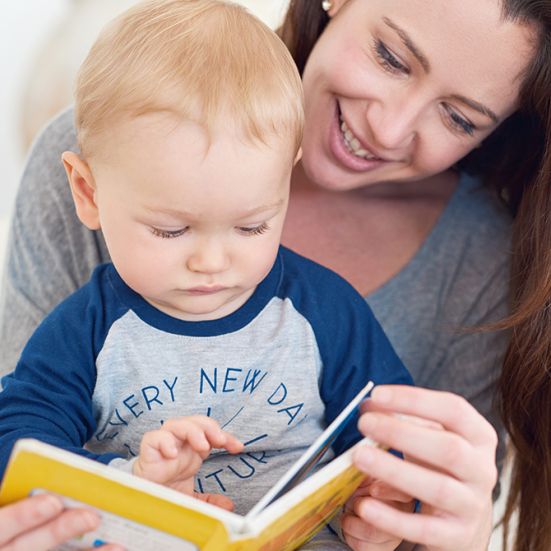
381, 395
367, 423
369, 509
87, 520
364, 457
50, 506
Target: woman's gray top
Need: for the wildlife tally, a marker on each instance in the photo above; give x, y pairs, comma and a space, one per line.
457, 280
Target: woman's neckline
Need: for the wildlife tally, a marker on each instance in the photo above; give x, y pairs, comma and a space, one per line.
464, 183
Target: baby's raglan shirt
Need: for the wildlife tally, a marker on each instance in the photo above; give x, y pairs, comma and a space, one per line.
105, 367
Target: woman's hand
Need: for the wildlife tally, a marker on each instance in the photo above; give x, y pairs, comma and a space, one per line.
450, 467
40, 523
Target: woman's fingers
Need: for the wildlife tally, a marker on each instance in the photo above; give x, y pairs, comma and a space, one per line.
444, 450
29, 513
450, 466
450, 410
430, 487
429, 530
40, 523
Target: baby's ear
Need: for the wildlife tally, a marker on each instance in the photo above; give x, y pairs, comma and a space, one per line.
83, 189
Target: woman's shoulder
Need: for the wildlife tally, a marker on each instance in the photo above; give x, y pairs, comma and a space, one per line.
44, 181
478, 212
44, 165
474, 231
57, 135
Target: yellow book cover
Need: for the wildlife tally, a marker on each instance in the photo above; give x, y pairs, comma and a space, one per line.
143, 516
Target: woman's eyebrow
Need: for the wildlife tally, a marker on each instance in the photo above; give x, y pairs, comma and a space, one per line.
409, 44
478, 107
422, 58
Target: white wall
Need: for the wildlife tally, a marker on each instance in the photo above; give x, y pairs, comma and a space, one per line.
24, 26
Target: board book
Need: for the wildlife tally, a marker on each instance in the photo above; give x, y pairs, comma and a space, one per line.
142, 516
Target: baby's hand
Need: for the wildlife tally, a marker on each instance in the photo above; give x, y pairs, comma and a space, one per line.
360, 535
173, 454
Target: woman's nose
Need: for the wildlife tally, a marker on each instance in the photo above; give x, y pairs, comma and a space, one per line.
392, 125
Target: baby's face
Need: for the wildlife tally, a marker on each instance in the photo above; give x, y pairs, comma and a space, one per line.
191, 228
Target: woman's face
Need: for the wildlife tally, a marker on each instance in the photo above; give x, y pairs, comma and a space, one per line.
399, 90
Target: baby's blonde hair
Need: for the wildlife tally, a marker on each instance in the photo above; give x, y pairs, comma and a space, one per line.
196, 58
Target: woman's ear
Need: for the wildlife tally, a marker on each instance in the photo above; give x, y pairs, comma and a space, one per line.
83, 189
335, 6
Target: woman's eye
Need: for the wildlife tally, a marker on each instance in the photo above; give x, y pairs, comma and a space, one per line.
458, 122
253, 230
169, 234
388, 60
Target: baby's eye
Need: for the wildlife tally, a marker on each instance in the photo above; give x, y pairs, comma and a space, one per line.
388, 60
457, 122
169, 234
253, 230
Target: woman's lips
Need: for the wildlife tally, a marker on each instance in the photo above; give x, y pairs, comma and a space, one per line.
341, 152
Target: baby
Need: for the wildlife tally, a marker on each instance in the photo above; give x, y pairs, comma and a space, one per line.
189, 118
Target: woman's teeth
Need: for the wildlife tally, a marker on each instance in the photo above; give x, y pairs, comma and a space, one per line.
353, 144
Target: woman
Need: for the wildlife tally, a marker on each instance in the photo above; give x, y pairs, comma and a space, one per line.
393, 100
396, 81
40, 523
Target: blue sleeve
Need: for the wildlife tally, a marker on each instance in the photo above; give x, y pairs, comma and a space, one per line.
353, 346
49, 395
354, 350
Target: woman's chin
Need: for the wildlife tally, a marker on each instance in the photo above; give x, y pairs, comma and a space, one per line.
324, 174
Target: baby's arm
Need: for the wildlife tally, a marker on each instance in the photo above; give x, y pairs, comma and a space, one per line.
173, 454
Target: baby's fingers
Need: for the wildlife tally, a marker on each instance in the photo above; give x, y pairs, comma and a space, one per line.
217, 437
382, 490
192, 431
157, 445
202, 434
218, 500
360, 535
232, 444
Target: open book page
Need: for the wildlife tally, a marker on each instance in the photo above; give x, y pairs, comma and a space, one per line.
311, 457
129, 534
294, 518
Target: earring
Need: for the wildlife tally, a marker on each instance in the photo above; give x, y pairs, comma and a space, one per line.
326, 5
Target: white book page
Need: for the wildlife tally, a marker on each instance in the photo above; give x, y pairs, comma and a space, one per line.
308, 461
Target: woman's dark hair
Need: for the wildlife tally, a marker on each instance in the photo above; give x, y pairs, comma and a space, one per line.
516, 161
525, 386
301, 28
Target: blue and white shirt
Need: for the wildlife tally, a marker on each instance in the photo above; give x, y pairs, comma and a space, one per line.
105, 367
